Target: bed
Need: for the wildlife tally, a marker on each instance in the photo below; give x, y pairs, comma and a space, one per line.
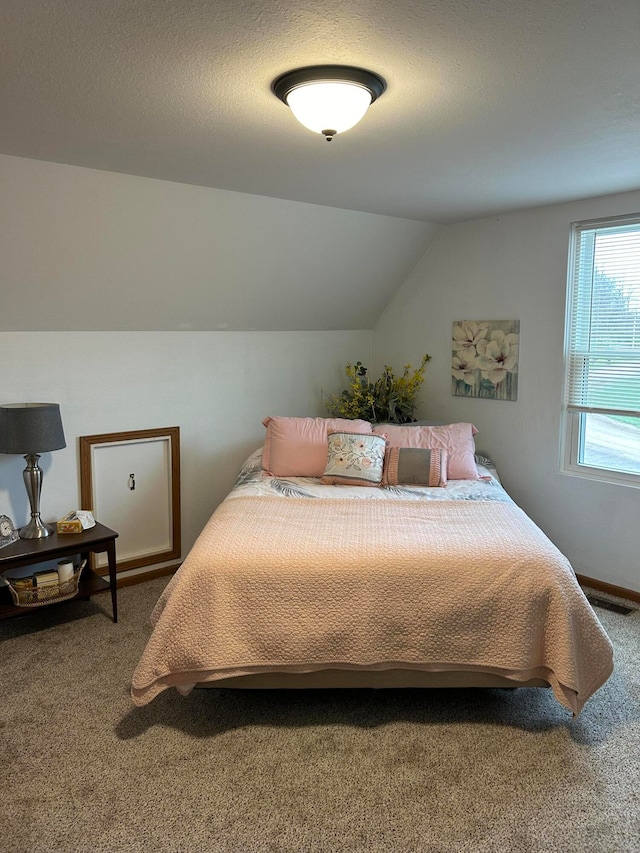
295, 582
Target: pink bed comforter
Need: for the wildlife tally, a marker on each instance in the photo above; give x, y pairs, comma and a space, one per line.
308, 584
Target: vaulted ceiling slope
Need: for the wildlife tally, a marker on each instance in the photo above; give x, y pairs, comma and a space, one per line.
491, 106
84, 249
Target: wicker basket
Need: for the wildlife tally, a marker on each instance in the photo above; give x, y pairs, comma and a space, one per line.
36, 596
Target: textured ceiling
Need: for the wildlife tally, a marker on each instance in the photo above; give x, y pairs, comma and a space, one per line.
491, 105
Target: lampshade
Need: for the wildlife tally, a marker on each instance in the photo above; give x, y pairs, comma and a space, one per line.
329, 99
31, 428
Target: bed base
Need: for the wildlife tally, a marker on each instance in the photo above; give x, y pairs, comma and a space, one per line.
349, 678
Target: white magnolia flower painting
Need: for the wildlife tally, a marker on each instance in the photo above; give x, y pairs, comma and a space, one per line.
485, 359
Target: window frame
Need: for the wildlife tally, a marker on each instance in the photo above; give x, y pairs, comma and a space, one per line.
571, 446
572, 429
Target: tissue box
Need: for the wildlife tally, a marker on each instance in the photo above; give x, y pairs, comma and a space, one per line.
69, 524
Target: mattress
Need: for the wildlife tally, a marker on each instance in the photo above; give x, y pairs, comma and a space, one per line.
295, 583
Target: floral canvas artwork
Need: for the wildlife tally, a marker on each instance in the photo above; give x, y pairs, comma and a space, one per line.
485, 359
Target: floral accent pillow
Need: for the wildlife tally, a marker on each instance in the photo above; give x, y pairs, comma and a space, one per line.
354, 459
414, 466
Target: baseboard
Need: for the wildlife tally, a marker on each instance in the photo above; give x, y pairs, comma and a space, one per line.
620, 591
140, 577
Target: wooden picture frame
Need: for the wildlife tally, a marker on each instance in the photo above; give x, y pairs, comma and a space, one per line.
131, 482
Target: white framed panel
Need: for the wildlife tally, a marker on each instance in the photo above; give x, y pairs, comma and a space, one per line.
131, 483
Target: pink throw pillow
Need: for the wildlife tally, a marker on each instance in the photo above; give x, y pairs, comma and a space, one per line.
298, 447
456, 439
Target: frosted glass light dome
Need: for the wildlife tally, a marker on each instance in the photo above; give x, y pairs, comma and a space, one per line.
329, 99
329, 108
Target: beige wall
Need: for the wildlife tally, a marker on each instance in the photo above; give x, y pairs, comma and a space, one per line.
216, 386
115, 290
515, 267
83, 249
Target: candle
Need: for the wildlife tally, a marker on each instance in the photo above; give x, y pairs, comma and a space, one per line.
65, 571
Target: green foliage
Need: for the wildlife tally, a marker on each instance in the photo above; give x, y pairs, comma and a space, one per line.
390, 399
615, 323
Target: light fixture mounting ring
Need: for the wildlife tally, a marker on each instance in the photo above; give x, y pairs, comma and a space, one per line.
285, 83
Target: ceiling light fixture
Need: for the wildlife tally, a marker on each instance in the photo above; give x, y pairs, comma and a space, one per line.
329, 99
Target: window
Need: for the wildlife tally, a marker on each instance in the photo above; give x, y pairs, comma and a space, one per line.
602, 381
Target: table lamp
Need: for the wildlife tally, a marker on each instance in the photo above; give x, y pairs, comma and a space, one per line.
29, 429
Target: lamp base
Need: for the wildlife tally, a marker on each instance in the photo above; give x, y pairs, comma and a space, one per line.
35, 529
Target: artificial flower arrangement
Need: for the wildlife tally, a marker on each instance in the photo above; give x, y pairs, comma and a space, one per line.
390, 399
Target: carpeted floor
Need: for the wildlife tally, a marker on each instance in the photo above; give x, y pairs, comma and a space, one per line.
242, 771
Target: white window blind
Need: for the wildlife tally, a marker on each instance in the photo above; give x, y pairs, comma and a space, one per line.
603, 367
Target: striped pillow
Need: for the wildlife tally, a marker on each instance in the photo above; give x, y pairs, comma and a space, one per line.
414, 466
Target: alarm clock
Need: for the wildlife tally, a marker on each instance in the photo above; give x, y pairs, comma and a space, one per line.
8, 533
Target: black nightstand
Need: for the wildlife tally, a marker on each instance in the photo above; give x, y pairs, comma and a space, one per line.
24, 552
